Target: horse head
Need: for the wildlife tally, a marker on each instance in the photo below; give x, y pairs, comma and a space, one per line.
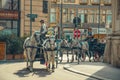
52, 42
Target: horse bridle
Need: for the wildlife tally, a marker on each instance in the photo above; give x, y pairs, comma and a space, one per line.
51, 43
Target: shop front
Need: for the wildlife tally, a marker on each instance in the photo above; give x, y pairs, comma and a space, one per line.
10, 16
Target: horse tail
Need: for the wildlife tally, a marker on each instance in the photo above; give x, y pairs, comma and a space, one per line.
24, 47
24, 55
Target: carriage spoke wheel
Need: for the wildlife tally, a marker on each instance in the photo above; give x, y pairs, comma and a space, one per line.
83, 57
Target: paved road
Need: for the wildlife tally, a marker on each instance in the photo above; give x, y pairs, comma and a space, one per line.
17, 71
98, 70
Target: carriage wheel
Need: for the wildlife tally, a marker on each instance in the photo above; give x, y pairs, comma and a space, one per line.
83, 57
56, 60
96, 57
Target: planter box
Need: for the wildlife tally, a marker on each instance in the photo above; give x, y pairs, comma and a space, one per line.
9, 57
18, 56
2, 50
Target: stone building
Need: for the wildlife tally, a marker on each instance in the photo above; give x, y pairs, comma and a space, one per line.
36, 7
112, 51
92, 13
10, 16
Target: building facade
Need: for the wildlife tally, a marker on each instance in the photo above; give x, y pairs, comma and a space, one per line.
37, 7
112, 50
92, 13
10, 16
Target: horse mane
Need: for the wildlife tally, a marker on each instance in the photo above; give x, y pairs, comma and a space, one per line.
32, 39
25, 42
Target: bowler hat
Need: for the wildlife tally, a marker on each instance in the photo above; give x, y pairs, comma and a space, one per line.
42, 21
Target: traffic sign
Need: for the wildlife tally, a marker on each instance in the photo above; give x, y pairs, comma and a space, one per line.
77, 33
32, 16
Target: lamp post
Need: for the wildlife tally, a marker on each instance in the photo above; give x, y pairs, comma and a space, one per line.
61, 10
30, 18
49, 11
99, 18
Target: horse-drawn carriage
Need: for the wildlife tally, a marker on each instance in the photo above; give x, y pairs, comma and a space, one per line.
47, 50
50, 49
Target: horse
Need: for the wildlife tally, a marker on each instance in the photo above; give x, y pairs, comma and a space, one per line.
80, 48
85, 48
76, 49
30, 48
50, 52
64, 48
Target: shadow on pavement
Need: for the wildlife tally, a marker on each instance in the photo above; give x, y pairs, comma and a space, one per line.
37, 71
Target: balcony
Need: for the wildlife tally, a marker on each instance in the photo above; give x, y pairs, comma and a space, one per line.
83, 2
95, 2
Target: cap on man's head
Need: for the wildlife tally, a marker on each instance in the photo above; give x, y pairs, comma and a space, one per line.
42, 21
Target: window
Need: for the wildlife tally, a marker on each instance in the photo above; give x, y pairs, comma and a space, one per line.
108, 19
83, 15
65, 15
95, 1
118, 7
83, 1
69, 1
71, 15
108, 12
68, 15
107, 1
45, 6
53, 15
9, 4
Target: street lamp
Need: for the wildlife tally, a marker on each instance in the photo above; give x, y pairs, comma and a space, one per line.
99, 18
61, 10
30, 18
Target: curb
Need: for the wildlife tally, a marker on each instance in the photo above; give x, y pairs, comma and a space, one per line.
69, 68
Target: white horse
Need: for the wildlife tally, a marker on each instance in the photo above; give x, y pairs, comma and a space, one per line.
64, 49
76, 49
50, 52
85, 50
80, 49
30, 48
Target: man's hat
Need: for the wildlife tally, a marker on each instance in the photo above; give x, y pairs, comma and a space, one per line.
42, 21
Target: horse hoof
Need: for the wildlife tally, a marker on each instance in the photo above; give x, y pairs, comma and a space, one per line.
53, 71
89, 60
60, 61
67, 61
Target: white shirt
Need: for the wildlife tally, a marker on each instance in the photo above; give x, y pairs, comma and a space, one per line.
43, 28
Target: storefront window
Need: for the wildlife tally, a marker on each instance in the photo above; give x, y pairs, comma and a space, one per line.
9, 4
11, 27
9, 16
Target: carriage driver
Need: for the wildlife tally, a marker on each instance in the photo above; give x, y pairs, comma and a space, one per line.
43, 31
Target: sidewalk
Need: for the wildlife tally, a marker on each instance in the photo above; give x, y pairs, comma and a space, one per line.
97, 70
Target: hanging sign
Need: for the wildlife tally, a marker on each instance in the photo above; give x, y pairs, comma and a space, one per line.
8, 14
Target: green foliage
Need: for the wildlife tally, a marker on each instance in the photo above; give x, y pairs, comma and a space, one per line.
14, 44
